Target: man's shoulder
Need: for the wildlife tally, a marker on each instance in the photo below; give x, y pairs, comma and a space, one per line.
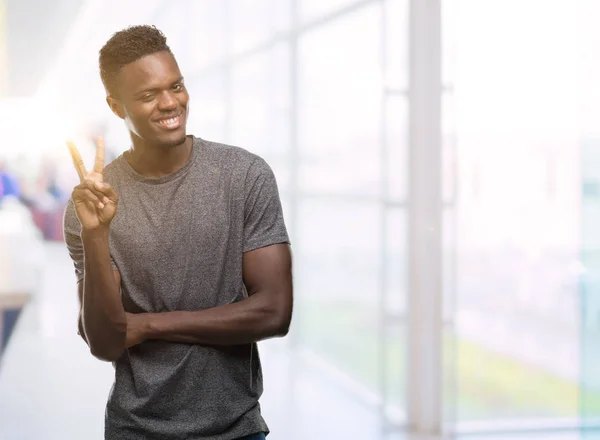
113, 168
230, 155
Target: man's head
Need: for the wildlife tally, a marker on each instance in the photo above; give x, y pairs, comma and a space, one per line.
144, 85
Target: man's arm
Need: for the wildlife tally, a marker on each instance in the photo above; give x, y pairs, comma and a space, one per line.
102, 316
93, 205
266, 313
80, 329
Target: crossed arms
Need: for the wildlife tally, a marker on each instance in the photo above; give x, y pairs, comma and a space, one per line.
109, 330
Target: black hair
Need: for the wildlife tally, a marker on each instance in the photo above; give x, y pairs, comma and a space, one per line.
127, 46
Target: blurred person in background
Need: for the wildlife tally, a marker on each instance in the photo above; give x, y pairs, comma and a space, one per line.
182, 259
9, 184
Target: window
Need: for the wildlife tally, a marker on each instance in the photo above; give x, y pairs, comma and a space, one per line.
260, 114
516, 335
207, 115
340, 106
206, 34
314, 9
255, 21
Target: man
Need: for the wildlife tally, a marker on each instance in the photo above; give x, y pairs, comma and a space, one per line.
182, 260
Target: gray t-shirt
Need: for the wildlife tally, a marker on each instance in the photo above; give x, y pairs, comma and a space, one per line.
178, 242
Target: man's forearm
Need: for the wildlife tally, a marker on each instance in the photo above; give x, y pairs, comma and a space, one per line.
251, 320
104, 320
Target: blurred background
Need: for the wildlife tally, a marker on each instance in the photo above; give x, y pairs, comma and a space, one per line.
439, 167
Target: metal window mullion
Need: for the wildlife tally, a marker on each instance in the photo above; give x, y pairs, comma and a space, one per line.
384, 324
386, 321
424, 399
294, 154
293, 339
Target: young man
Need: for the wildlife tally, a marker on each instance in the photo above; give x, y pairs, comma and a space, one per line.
182, 260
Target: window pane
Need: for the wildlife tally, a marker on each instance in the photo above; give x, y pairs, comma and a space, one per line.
449, 15
340, 106
254, 21
396, 158
589, 68
250, 109
260, 108
396, 44
517, 213
396, 262
207, 105
337, 259
395, 290
395, 371
205, 36
448, 149
312, 9
449, 264
589, 271
168, 18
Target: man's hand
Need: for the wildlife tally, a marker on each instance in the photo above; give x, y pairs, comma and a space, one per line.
95, 201
138, 328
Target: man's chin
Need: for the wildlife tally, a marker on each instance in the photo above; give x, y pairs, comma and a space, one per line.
173, 140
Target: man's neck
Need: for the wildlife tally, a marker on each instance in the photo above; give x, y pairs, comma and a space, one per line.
156, 161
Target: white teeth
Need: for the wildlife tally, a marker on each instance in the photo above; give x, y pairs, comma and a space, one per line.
168, 121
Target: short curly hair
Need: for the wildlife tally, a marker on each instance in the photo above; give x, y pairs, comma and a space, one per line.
127, 46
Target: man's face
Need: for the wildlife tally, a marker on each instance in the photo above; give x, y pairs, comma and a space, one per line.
153, 100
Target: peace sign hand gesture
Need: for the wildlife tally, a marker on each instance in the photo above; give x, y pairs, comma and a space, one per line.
95, 201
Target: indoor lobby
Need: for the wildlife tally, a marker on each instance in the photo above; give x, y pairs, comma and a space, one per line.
438, 165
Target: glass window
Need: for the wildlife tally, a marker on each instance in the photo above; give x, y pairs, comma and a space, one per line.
250, 104
449, 31
260, 115
589, 269
393, 340
396, 262
206, 37
338, 258
396, 44
589, 68
254, 21
340, 106
396, 157
312, 9
517, 215
395, 365
171, 19
448, 149
207, 105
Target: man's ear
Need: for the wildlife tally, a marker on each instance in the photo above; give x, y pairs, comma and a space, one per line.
115, 107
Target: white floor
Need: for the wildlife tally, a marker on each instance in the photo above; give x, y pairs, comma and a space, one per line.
52, 388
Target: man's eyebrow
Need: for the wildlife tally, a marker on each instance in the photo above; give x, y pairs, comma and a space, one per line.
153, 89
139, 92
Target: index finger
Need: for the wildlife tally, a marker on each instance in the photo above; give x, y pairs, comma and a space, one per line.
99, 162
77, 160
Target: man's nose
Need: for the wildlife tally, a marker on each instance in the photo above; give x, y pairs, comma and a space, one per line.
167, 101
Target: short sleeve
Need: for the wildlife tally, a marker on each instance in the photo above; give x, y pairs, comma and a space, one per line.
72, 236
263, 215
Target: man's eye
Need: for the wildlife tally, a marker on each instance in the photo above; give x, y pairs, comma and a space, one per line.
178, 87
147, 98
